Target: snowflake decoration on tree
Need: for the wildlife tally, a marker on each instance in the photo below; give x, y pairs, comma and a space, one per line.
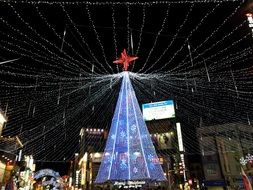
123, 164
113, 136
122, 134
133, 128
150, 157
135, 170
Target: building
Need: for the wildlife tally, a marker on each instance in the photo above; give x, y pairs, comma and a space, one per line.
221, 147
85, 165
165, 139
3, 120
9, 147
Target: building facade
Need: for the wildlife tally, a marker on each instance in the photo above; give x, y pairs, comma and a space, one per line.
221, 147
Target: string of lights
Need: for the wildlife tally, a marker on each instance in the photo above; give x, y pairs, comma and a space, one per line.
229, 59
216, 30
141, 30
116, 3
155, 41
175, 36
72, 116
59, 37
97, 36
82, 38
41, 38
128, 29
220, 25
188, 37
114, 36
54, 90
189, 105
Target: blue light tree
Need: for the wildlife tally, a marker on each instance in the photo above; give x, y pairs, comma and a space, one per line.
129, 153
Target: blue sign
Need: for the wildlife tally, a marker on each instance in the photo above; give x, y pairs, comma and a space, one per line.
158, 110
158, 104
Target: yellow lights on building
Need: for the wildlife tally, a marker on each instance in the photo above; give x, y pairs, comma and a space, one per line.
29, 160
250, 21
83, 165
94, 131
6, 158
3, 120
27, 174
77, 178
97, 155
162, 140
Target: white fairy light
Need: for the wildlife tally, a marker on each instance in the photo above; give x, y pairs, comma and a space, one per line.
37, 89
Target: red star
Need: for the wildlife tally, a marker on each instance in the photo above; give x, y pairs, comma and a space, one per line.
125, 60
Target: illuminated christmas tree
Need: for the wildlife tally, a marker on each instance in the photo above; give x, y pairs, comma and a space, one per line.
129, 153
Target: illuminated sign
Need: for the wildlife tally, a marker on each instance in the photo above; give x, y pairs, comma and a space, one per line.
129, 184
46, 172
179, 137
250, 20
158, 110
2, 118
77, 177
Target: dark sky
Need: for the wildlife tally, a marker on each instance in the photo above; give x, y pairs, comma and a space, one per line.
61, 167
198, 54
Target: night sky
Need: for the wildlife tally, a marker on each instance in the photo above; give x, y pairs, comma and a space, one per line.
61, 75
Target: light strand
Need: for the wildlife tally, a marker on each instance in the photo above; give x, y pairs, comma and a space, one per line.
116, 3
157, 35
97, 36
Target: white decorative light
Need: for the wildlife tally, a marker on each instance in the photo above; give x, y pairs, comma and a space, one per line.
117, 3
43, 51
248, 158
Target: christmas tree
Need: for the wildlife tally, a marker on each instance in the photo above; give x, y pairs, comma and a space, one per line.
129, 153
